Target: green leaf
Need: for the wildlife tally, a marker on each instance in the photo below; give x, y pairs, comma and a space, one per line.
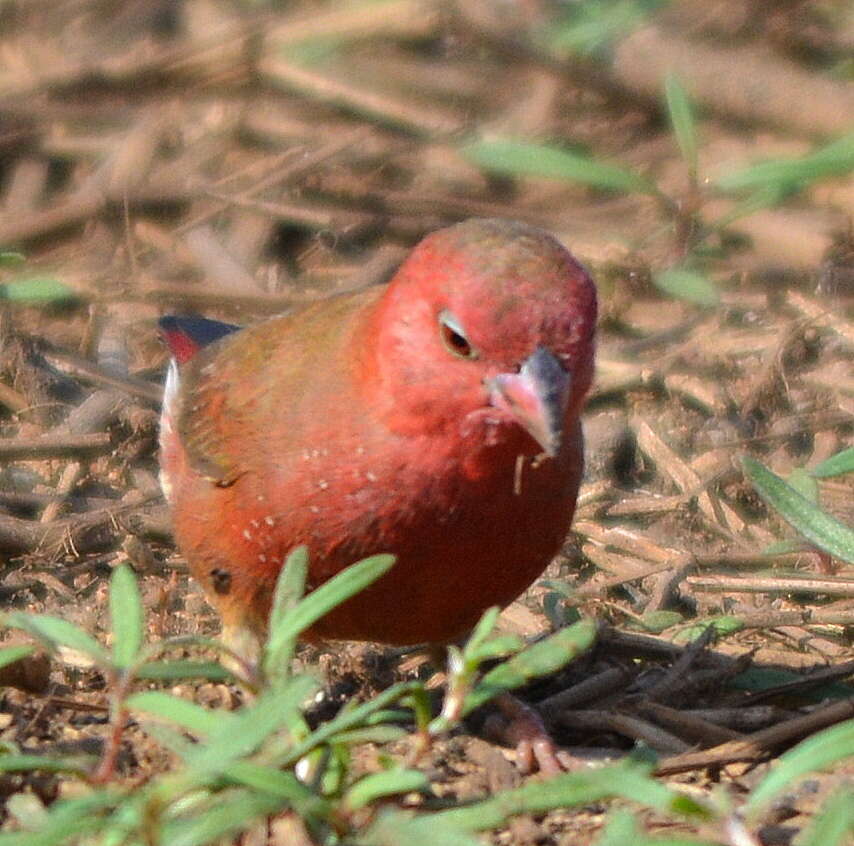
787, 175
11, 257
627, 780
804, 516
290, 587
482, 630
388, 783
833, 825
594, 28
330, 594
836, 465
30, 763
194, 718
400, 828
345, 720
67, 819
801, 481
223, 814
519, 158
540, 659
126, 615
36, 289
762, 198
54, 632
658, 621
816, 753
682, 121
175, 670
11, 654
723, 626
687, 285
621, 829
283, 784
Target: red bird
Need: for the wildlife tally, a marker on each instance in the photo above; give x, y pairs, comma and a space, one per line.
436, 418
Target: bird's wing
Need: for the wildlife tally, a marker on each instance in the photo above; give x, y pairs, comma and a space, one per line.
212, 405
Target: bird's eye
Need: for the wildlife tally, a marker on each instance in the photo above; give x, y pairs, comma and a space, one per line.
453, 337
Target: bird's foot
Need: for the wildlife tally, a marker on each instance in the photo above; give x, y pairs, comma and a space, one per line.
521, 726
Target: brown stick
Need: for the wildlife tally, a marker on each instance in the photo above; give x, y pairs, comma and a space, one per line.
777, 584
759, 745
56, 445
90, 532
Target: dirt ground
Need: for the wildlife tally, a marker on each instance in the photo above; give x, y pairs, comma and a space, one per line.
237, 158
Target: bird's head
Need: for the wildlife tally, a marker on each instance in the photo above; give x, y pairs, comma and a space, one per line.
489, 324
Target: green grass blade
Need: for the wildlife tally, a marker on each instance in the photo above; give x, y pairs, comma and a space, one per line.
682, 120
11, 654
687, 285
816, 753
483, 629
398, 828
36, 289
177, 670
241, 735
622, 830
31, 763
54, 632
807, 518
836, 465
375, 786
518, 158
540, 659
761, 199
804, 483
626, 780
126, 615
833, 825
290, 588
67, 819
194, 718
338, 589
836, 159
347, 719
222, 816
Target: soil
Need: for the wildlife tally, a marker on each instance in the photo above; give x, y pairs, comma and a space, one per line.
236, 159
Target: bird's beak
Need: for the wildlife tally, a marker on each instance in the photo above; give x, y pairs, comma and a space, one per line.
537, 396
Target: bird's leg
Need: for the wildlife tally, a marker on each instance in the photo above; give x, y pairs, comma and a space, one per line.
521, 726
518, 724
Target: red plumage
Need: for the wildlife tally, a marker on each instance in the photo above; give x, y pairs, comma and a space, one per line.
436, 418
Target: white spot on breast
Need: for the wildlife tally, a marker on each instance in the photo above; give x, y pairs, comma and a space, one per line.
247, 534
370, 476
323, 484
269, 520
262, 558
